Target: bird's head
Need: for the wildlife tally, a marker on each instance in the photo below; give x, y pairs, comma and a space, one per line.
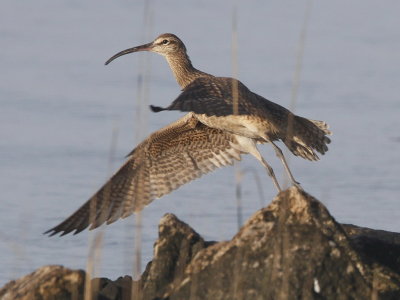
165, 44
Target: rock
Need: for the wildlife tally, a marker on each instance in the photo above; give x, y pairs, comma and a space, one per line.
176, 246
106, 289
376, 246
292, 249
46, 283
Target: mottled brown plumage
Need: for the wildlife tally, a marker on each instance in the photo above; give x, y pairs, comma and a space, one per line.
213, 97
212, 100
167, 159
212, 135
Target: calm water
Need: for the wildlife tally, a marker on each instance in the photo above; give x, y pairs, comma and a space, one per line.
60, 106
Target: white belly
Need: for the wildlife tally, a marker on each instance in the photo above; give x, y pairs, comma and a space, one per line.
247, 126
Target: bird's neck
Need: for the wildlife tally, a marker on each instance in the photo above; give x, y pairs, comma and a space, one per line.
183, 69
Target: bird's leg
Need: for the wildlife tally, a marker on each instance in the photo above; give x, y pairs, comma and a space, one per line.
283, 160
271, 173
249, 146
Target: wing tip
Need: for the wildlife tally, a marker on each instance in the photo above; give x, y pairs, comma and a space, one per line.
54, 231
50, 232
156, 109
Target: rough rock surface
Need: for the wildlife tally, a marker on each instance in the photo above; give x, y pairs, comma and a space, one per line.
49, 282
292, 249
176, 246
376, 246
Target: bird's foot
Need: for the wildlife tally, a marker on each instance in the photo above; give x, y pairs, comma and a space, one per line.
297, 184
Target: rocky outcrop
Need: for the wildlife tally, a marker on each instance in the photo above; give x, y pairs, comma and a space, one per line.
292, 249
49, 282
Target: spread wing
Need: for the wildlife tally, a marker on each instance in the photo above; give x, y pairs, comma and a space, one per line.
167, 159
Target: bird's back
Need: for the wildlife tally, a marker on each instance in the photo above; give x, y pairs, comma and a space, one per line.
227, 104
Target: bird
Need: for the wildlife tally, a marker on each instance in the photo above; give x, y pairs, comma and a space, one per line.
167, 159
227, 104
213, 134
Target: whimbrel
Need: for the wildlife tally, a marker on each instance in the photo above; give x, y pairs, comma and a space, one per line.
210, 136
212, 100
167, 159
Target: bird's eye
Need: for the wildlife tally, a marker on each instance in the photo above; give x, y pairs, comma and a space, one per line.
165, 42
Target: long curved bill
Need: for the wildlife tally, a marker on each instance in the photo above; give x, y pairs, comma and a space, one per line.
145, 47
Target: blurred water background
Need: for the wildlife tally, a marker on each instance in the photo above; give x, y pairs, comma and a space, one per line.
60, 108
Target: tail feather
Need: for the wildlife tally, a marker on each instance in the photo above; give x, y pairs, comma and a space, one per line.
308, 137
301, 150
322, 125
